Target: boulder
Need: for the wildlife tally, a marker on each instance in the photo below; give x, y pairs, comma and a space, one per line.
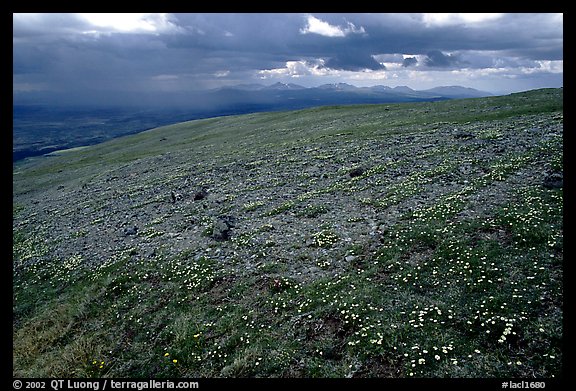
351, 258
464, 136
355, 172
175, 196
554, 180
131, 230
201, 194
221, 229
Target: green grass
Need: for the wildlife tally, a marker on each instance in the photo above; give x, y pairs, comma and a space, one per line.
439, 294
445, 305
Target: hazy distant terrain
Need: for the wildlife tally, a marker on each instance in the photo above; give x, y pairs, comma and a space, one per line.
40, 129
420, 239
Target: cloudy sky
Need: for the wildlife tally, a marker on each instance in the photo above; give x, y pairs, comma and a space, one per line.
107, 54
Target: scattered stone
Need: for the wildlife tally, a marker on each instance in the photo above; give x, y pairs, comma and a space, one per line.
464, 168
131, 231
356, 172
382, 230
200, 195
351, 258
464, 136
554, 180
175, 196
222, 227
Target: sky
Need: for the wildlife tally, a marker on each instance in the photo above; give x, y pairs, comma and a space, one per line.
102, 56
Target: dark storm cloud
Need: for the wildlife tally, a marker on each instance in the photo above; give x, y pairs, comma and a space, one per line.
353, 62
436, 58
272, 39
530, 35
187, 51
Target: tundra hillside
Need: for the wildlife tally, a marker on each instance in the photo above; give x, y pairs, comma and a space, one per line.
396, 240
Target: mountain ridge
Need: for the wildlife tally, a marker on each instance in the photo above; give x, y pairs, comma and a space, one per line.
449, 91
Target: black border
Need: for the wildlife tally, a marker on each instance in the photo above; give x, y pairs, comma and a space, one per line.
232, 383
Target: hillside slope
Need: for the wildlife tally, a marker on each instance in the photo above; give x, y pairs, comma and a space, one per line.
399, 240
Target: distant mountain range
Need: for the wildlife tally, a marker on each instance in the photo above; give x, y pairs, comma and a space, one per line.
401, 93
244, 98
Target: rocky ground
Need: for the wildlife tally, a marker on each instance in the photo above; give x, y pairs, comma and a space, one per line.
299, 208
302, 207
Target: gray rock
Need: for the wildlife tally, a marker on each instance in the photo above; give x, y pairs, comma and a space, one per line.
201, 194
175, 196
351, 258
221, 230
131, 231
382, 229
464, 136
554, 180
355, 172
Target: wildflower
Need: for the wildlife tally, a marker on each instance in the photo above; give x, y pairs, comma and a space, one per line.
437, 357
166, 354
174, 361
